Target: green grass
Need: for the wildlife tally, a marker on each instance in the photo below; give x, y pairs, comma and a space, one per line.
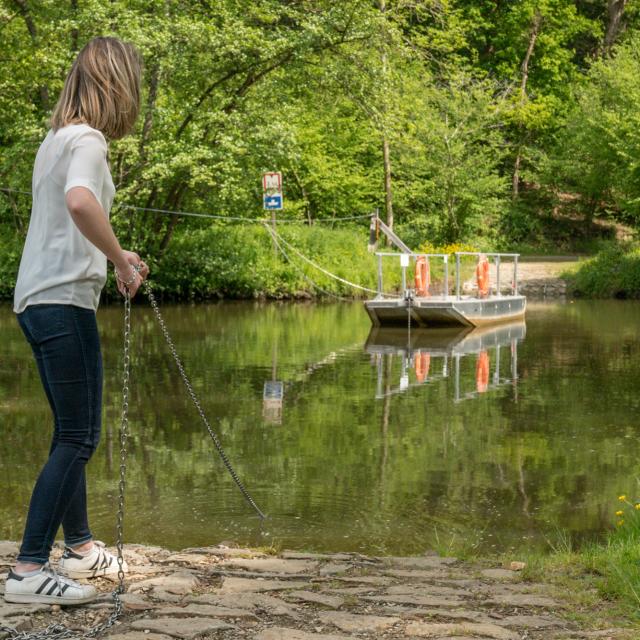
602, 577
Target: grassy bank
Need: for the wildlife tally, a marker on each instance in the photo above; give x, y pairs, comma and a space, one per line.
612, 273
240, 262
606, 571
601, 575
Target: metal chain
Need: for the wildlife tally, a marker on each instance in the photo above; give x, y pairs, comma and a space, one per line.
58, 631
196, 402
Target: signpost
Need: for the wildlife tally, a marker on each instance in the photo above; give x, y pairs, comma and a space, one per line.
272, 196
272, 191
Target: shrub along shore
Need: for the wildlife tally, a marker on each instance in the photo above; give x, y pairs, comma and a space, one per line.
612, 273
240, 262
243, 263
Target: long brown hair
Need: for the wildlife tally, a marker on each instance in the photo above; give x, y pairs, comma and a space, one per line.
102, 88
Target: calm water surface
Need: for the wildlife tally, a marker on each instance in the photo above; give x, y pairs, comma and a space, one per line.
380, 445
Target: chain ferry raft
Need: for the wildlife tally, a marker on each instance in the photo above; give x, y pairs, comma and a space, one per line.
474, 296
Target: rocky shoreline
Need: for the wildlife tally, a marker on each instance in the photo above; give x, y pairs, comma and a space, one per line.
221, 592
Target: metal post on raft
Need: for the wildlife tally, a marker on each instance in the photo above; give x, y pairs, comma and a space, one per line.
497, 261
515, 275
404, 263
379, 275
446, 275
458, 276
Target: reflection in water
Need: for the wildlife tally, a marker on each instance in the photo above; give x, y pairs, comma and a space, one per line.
542, 439
425, 356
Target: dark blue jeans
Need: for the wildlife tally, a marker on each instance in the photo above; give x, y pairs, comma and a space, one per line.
66, 345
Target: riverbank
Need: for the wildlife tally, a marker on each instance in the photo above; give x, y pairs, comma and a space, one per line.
232, 593
234, 262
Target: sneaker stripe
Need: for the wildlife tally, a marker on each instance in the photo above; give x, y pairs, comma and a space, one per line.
43, 585
95, 564
54, 586
64, 588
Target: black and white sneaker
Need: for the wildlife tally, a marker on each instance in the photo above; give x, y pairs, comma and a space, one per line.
47, 587
98, 562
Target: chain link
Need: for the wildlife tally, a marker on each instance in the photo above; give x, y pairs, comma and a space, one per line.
196, 402
58, 631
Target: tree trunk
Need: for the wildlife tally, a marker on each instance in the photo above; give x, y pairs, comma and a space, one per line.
33, 32
74, 31
533, 36
154, 77
386, 157
616, 10
388, 200
515, 183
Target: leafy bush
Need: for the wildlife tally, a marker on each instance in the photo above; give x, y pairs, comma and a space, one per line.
240, 262
613, 273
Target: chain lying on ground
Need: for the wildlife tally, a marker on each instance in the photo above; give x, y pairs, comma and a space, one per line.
196, 402
59, 631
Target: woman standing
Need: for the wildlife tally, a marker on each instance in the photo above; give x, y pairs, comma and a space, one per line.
62, 271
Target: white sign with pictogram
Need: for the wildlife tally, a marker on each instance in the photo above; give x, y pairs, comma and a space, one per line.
272, 190
272, 182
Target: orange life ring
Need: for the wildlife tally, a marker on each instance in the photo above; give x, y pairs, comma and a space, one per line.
482, 276
422, 277
482, 372
421, 364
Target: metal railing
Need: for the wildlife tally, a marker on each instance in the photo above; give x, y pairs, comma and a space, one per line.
405, 259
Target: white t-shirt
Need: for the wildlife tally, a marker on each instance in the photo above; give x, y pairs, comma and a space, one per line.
59, 265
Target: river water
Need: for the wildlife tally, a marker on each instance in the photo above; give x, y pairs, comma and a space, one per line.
351, 441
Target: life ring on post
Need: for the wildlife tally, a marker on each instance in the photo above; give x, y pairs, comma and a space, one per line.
421, 364
482, 372
422, 277
482, 276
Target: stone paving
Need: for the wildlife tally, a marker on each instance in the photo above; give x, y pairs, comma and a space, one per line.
221, 592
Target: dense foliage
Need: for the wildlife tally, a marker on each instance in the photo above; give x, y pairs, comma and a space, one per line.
501, 119
613, 273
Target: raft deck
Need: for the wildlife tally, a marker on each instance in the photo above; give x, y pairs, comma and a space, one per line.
446, 309
466, 311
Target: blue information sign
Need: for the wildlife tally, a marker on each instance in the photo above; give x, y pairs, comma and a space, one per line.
273, 201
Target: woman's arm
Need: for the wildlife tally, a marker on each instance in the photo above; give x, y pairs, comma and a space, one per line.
89, 217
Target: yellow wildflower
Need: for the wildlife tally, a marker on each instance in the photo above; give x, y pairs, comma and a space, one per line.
619, 513
620, 523
638, 506
622, 498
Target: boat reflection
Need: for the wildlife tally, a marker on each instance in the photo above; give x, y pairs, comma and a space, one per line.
429, 355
